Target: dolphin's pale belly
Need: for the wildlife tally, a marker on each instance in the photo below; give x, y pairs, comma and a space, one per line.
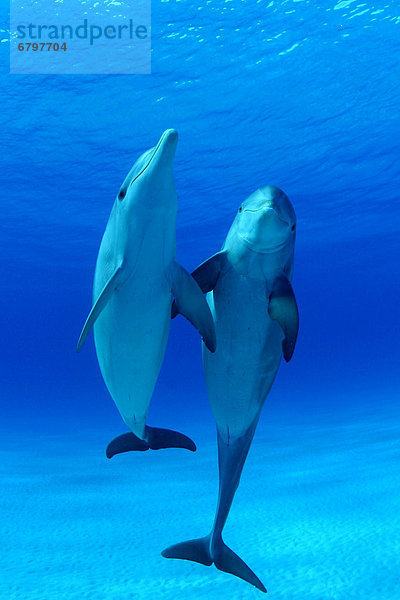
130, 338
240, 373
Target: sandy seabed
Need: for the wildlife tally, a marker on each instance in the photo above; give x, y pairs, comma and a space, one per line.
316, 516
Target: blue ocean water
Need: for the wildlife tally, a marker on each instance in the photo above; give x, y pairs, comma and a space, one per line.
297, 94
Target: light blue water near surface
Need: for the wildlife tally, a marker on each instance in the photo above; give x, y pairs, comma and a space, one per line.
297, 94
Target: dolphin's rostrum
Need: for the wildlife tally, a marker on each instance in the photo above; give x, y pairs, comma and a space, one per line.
135, 278
256, 320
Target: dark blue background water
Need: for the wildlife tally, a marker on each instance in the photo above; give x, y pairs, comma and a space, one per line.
294, 94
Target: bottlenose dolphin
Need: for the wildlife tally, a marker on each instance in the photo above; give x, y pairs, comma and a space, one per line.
256, 319
136, 275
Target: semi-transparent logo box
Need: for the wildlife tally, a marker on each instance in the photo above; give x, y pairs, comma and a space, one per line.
75, 37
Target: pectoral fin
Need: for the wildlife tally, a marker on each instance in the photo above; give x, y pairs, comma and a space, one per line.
98, 306
208, 272
192, 304
282, 308
206, 276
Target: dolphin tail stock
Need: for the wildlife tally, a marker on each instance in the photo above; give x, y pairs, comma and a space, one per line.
232, 454
156, 439
198, 550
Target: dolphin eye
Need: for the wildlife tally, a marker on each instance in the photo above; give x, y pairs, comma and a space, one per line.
293, 227
122, 195
240, 209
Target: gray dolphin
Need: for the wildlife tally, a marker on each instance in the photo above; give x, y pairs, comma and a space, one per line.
136, 275
256, 319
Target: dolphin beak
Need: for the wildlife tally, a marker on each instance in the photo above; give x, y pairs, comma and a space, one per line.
165, 150
270, 212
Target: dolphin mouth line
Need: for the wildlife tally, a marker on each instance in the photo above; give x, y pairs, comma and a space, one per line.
152, 156
274, 211
266, 251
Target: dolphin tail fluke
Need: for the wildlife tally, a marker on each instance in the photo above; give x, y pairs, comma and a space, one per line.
126, 442
229, 562
194, 550
223, 557
155, 440
167, 438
